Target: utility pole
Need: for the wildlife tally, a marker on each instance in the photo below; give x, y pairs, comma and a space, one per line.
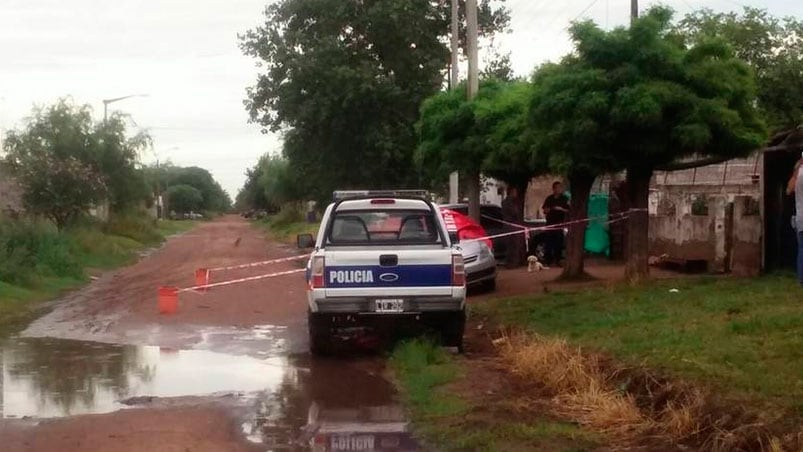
455, 41
454, 79
473, 179
633, 10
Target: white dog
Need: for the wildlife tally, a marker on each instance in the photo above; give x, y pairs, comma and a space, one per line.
534, 265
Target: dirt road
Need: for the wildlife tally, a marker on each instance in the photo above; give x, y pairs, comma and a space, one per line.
228, 372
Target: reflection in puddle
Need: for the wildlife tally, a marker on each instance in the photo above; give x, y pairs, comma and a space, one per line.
284, 403
334, 406
51, 377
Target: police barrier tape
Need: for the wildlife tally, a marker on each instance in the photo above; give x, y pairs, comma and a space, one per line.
260, 263
167, 300
240, 280
526, 230
203, 275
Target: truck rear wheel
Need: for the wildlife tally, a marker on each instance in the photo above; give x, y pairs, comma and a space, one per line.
454, 329
320, 338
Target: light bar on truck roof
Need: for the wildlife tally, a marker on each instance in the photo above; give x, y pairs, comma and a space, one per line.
340, 195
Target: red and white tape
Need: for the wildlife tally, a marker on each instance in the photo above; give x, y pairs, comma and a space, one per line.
260, 263
526, 230
241, 280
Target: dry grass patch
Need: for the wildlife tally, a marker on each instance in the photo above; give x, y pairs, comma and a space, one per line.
579, 386
630, 404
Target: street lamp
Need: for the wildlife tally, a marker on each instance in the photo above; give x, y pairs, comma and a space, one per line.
106, 103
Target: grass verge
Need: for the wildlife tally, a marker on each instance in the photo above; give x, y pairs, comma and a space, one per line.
39, 262
446, 414
287, 223
737, 339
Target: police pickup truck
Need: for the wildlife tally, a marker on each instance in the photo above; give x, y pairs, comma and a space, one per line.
382, 260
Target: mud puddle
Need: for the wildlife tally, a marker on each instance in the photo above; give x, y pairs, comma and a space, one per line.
282, 402
54, 377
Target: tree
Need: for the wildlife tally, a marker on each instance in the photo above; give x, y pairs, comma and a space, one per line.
649, 101
498, 67
771, 46
344, 80
214, 199
184, 198
117, 156
67, 163
53, 157
59, 189
569, 119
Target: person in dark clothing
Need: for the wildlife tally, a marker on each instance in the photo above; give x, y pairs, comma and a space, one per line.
556, 209
512, 213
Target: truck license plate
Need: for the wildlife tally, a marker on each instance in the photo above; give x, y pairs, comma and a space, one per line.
389, 306
352, 443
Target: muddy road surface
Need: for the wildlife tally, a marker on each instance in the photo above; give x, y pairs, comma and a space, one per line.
104, 371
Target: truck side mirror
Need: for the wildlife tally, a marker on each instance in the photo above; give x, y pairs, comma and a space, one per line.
305, 241
453, 237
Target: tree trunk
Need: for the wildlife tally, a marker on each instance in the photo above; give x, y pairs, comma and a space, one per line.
473, 192
580, 184
521, 187
638, 224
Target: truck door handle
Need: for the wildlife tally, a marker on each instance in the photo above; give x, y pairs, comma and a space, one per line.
388, 260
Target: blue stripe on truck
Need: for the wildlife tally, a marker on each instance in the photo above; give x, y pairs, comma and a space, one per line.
343, 277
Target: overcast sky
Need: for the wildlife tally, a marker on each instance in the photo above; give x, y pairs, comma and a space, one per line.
183, 54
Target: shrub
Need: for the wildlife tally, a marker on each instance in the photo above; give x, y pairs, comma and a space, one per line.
135, 227
31, 248
289, 213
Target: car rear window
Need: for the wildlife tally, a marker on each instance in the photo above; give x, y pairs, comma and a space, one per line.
383, 227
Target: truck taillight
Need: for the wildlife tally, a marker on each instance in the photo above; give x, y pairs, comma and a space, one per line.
458, 271
317, 281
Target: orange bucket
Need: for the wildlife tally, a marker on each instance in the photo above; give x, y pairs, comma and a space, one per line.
168, 300
202, 278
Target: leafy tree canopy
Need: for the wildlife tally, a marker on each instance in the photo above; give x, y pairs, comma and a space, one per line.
66, 162
773, 47
214, 198
184, 198
486, 134
344, 80
636, 98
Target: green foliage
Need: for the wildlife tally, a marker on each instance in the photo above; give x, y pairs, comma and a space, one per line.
31, 249
422, 368
772, 47
214, 199
163, 178
66, 163
634, 97
117, 156
344, 80
184, 198
135, 227
740, 336
486, 134
270, 184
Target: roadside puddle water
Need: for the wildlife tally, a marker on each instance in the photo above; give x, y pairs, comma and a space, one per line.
283, 402
43, 377
332, 405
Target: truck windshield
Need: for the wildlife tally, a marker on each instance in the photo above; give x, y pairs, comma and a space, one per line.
415, 227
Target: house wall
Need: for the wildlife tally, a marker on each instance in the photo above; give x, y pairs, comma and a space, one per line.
722, 229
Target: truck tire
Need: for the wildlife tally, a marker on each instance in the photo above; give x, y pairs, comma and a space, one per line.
454, 329
320, 339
